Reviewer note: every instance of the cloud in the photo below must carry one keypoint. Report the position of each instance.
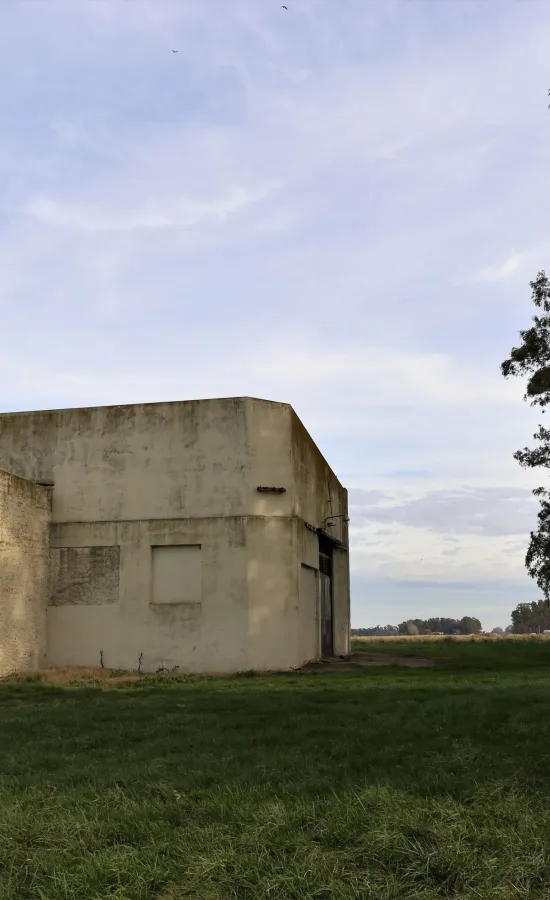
(290, 207)
(490, 601)
(486, 511)
(443, 547)
(508, 268)
(183, 212)
(413, 555)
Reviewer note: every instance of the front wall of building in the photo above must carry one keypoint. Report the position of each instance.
(148, 461)
(270, 459)
(24, 539)
(273, 625)
(182, 597)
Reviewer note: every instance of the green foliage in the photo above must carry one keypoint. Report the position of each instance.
(532, 359)
(531, 617)
(466, 625)
(470, 625)
(376, 631)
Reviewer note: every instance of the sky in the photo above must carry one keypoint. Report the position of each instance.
(339, 206)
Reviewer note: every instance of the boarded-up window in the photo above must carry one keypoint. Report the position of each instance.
(177, 574)
(84, 575)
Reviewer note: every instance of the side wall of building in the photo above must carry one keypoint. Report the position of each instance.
(283, 547)
(24, 541)
(319, 498)
(341, 601)
(309, 647)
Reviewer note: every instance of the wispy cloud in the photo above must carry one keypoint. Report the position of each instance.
(509, 267)
(487, 512)
(319, 207)
(180, 213)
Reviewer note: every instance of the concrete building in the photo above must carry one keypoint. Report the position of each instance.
(209, 535)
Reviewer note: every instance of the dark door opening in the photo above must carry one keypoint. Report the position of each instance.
(325, 576)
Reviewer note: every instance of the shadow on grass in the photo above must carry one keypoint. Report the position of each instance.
(384, 785)
(421, 731)
(479, 654)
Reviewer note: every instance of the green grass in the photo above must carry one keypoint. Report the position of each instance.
(472, 653)
(382, 783)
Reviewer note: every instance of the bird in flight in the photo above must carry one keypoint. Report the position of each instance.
(174, 51)
(284, 7)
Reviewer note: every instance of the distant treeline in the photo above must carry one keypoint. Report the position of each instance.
(531, 617)
(466, 625)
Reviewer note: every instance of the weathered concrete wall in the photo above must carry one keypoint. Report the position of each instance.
(269, 454)
(173, 460)
(146, 461)
(228, 593)
(341, 601)
(306, 555)
(24, 541)
(273, 593)
(198, 619)
(84, 575)
(310, 622)
(283, 454)
(319, 496)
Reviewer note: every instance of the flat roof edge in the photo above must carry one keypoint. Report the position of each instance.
(66, 409)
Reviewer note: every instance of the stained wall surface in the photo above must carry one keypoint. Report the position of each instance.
(24, 542)
(196, 620)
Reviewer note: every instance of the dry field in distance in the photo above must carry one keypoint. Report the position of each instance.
(461, 638)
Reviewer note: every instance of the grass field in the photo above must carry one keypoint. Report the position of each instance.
(379, 783)
(455, 638)
(483, 651)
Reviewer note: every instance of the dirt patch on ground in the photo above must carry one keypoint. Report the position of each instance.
(362, 660)
(114, 677)
(71, 674)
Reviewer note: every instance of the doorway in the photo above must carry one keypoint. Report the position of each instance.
(325, 578)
